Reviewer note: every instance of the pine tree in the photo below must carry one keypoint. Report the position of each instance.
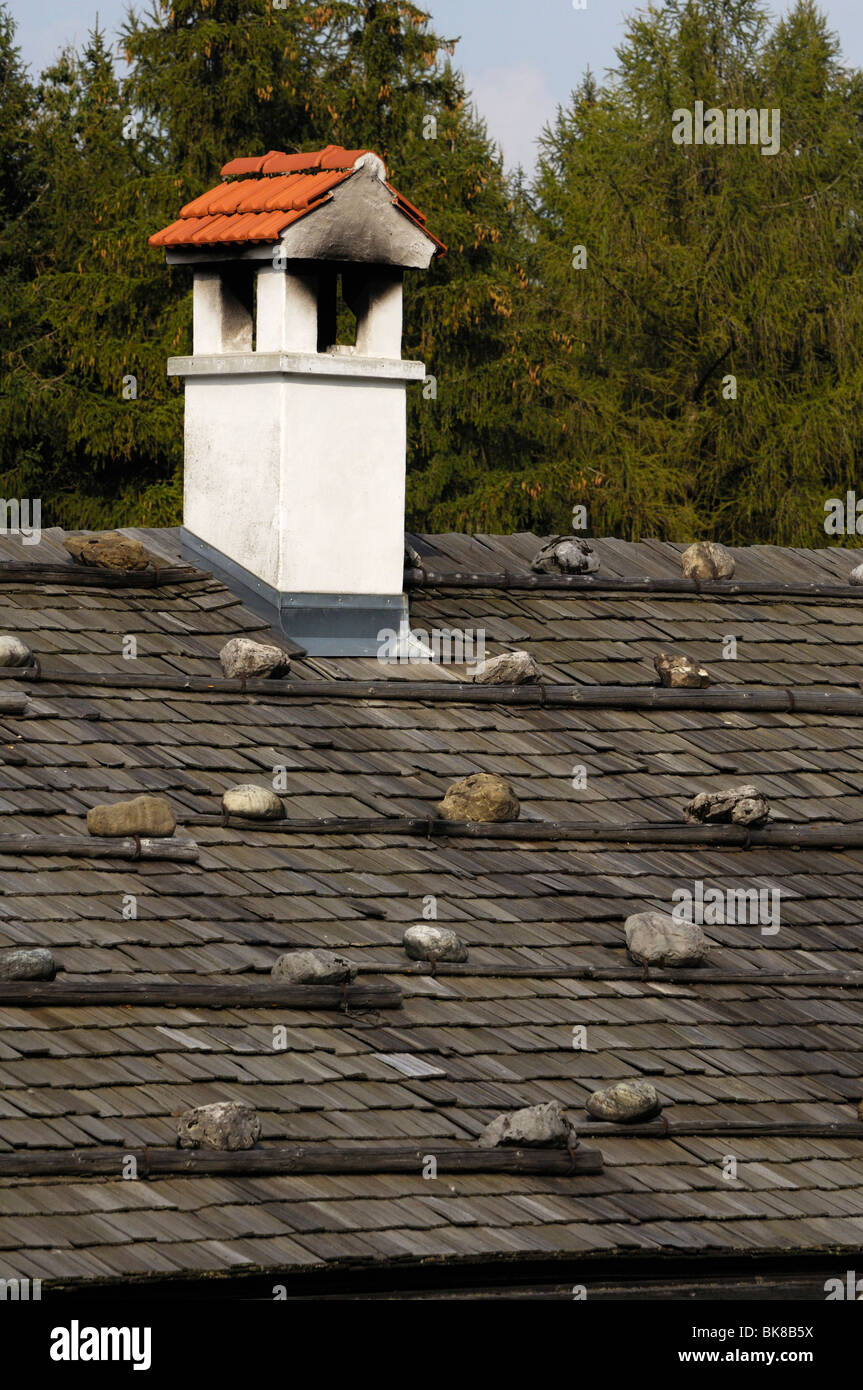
(212, 79)
(708, 265)
(16, 109)
(17, 188)
(88, 420)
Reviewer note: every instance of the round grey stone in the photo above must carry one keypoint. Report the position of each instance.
(481, 797)
(141, 815)
(427, 942)
(654, 938)
(536, 1126)
(707, 560)
(243, 657)
(313, 967)
(14, 652)
(27, 963)
(566, 555)
(681, 672)
(744, 805)
(225, 1125)
(512, 668)
(253, 803)
(624, 1103)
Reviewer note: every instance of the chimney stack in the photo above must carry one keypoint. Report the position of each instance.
(295, 442)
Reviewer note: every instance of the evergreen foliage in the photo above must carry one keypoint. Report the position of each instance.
(704, 262)
(606, 385)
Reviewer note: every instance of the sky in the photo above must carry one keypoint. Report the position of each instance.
(521, 58)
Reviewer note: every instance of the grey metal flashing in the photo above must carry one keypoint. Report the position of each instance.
(341, 624)
(255, 593)
(313, 624)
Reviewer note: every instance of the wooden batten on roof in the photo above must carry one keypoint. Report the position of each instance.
(257, 994)
(281, 1161)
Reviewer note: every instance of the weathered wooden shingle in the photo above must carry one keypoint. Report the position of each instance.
(746, 1049)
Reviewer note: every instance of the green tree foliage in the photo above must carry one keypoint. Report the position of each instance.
(17, 187)
(93, 317)
(16, 103)
(213, 79)
(704, 262)
(555, 385)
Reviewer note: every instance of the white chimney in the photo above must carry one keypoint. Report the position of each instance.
(295, 444)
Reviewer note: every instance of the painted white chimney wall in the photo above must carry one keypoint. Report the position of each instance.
(297, 476)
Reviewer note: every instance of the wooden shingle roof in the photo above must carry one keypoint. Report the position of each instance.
(758, 1055)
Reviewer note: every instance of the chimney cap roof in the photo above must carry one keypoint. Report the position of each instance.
(262, 195)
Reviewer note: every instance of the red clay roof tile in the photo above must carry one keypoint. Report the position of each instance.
(277, 162)
(223, 199)
(243, 166)
(264, 194)
(335, 157)
(182, 231)
(272, 194)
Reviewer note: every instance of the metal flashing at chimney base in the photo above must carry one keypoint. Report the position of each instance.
(322, 624)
